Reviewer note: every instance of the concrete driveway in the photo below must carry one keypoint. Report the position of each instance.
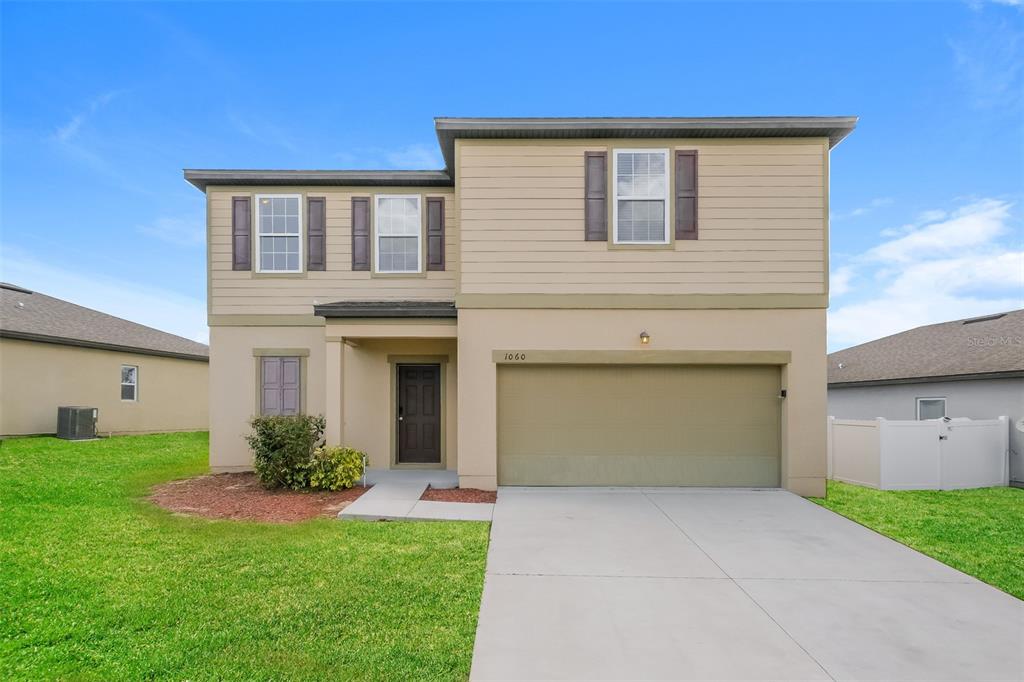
(626, 584)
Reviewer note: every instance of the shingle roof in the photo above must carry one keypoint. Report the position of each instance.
(359, 309)
(979, 346)
(33, 316)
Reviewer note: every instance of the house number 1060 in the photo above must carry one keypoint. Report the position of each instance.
(515, 356)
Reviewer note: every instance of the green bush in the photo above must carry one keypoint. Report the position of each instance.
(335, 468)
(283, 447)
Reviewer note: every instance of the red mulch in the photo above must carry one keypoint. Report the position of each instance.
(459, 495)
(241, 497)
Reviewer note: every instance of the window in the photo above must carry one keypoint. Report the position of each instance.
(641, 196)
(931, 408)
(129, 383)
(398, 233)
(279, 243)
(279, 385)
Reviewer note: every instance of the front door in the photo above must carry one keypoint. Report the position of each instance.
(419, 414)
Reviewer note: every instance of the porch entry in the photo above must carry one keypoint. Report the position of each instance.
(418, 414)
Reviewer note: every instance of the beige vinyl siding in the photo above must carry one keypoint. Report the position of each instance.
(762, 221)
(250, 293)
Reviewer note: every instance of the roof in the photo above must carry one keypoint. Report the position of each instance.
(410, 309)
(835, 128)
(352, 178)
(977, 347)
(32, 316)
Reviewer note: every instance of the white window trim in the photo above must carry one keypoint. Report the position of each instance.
(376, 235)
(616, 197)
(918, 404)
(259, 241)
(135, 393)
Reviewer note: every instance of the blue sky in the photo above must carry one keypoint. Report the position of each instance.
(103, 105)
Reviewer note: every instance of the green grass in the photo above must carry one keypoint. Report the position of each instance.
(980, 532)
(96, 583)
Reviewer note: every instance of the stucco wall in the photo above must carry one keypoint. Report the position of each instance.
(982, 399)
(802, 332)
(37, 378)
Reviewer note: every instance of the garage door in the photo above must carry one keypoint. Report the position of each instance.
(654, 425)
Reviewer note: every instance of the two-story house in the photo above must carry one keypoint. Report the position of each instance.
(587, 301)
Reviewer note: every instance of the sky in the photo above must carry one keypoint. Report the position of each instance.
(103, 105)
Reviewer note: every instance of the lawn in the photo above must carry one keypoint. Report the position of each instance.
(980, 532)
(96, 583)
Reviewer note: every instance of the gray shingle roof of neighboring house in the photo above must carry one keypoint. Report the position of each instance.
(32, 316)
(977, 347)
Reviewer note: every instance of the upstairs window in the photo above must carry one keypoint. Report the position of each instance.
(129, 383)
(278, 221)
(641, 196)
(398, 234)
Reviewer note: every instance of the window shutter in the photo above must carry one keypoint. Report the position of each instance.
(596, 196)
(360, 233)
(316, 233)
(241, 229)
(435, 233)
(686, 194)
(280, 385)
(270, 403)
(289, 385)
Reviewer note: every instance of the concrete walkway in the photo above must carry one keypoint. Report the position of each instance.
(658, 584)
(395, 496)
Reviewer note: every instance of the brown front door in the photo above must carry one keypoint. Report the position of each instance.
(419, 414)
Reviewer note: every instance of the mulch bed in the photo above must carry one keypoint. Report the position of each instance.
(459, 495)
(240, 497)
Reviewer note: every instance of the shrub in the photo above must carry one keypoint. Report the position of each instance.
(335, 468)
(282, 448)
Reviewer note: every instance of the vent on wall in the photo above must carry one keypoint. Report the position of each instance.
(76, 423)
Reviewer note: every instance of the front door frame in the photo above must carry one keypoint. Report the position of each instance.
(393, 362)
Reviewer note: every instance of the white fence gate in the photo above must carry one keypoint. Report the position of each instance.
(937, 454)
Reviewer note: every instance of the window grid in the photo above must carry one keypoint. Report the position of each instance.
(398, 221)
(129, 383)
(279, 225)
(641, 196)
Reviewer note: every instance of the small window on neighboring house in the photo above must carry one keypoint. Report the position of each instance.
(399, 230)
(641, 196)
(129, 383)
(278, 224)
(279, 385)
(931, 408)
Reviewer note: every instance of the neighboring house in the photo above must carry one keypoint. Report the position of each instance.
(590, 301)
(964, 368)
(55, 353)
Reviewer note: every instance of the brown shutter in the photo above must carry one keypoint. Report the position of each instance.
(360, 233)
(316, 233)
(435, 233)
(686, 194)
(596, 196)
(241, 230)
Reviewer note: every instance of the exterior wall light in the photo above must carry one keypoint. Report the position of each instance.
(645, 338)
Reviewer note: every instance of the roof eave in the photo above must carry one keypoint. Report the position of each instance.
(977, 376)
(99, 345)
(203, 178)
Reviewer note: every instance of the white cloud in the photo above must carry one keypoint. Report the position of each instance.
(152, 306)
(70, 130)
(989, 62)
(415, 156)
(862, 210)
(177, 231)
(946, 265)
(263, 131)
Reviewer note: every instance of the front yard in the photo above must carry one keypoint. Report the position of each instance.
(96, 583)
(980, 532)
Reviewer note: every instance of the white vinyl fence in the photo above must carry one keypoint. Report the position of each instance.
(937, 454)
